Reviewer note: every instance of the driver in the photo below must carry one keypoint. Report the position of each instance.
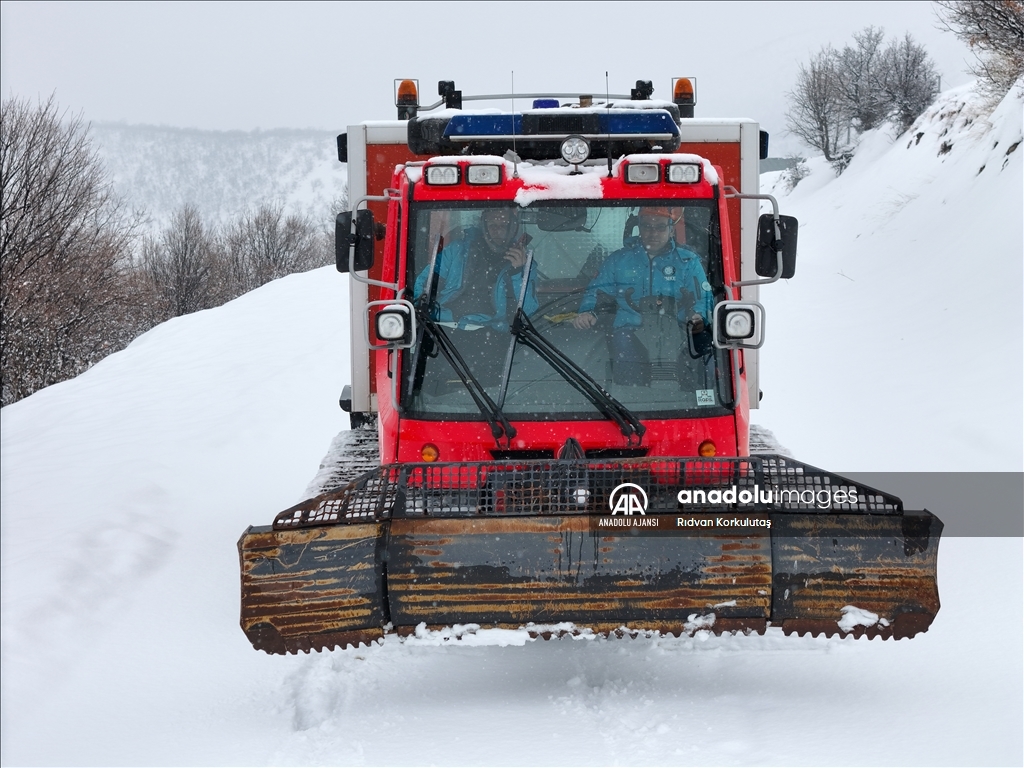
(658, 286)
(478, 280)
(480, 275)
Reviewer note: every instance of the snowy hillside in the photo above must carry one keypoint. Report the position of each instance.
(897, 345)
(123, 491)
(160, 169)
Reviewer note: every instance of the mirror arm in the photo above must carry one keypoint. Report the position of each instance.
(731, 192)
(389, 194)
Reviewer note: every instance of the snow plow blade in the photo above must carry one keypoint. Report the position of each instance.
(536, 545)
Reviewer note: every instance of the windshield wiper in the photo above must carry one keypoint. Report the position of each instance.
(630, 426)
(500, 426)
(430, 333)
(523, 330)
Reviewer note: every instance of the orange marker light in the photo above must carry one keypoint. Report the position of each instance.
(429, 452)
(682, 90)
(407, 95)
(707, 449)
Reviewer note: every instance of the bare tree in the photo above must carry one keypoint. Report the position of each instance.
(183, 267)
(908, 80)
(860, 69)
(65, 242)
(841, 94)
(994, 29)
(265, 244)
(818, 110)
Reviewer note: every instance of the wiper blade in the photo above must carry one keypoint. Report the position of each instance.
(630, 426)
(500, 426)
(428, 327)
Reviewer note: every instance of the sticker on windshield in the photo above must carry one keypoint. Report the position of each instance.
(705, 397)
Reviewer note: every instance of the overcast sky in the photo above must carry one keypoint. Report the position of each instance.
(327, 65)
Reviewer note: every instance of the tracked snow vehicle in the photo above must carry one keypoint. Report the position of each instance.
(565, 442)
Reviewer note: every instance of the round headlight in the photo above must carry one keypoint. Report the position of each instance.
(575, 150)
(739, 324)
(390, 326)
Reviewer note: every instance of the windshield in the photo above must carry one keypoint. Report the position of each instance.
(624, 292)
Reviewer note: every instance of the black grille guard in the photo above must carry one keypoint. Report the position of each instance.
(756, 484)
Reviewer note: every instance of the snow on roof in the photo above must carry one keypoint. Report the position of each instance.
(554, 182)
(469, 160)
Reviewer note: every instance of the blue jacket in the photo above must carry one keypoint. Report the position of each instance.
(451, 265)
(629, 275)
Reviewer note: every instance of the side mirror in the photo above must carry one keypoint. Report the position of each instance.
(362, 240)
(766, 254)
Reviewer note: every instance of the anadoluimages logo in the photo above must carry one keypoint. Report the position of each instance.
(628, 498)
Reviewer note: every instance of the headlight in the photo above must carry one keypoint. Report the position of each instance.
(483, 174)
(443, 175)
(739, 324)
(575, 150)
(391, 324)
(642, 173)
(684, 173)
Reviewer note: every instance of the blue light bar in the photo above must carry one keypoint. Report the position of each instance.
(616, 124)
(537, 134)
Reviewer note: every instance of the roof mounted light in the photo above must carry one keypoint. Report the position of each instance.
(452, 98)
(442, 175)
(683, 173)
(575, 150)
(407, 98)
(643, 90)
(483, 174)
(642, 173)
(683, 95)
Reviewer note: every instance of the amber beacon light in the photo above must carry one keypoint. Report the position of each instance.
(407, 98)
(683, 95)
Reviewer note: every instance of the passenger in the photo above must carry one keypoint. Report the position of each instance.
(659, 289)
(480, 275)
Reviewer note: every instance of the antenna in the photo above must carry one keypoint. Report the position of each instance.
(608, 121)
(515, 157)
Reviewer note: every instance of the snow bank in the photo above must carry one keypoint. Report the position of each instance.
(903, 322)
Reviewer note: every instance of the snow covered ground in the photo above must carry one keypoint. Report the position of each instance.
(124, 491)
